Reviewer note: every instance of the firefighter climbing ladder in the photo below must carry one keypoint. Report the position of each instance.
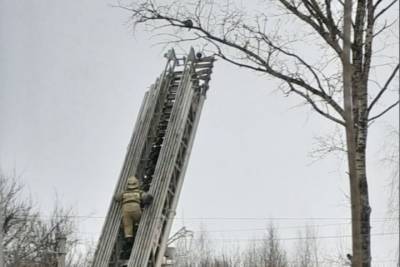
(158, 155)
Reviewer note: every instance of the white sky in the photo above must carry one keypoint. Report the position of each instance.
(72, 77)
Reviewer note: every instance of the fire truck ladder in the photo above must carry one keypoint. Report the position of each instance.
(158, 155)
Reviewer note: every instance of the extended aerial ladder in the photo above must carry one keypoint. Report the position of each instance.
(158, 155)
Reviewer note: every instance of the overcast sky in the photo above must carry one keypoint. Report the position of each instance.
(72, 77)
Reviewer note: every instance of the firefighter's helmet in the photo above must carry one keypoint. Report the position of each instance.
(133, 183)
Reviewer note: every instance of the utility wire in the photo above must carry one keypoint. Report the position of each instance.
(286, 238)
(250, 229)
(295, 238)
(233, 218)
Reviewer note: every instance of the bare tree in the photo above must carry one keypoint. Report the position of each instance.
(266, 252)
(1, 232)
(79, 256)
(307, 249)
(29, 239)
(250, 256)
(202, 248)
(196, 251)
(262, 252)
(390, 161)
(338, 87)
(272, 254)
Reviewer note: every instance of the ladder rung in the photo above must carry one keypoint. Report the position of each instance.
(205, 78)
(183, 143)
(170, 192)
(206, 59)
(204, 65)
(178, 167)
(204, 71)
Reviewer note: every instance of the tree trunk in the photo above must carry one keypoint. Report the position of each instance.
(356, 136)
(364, 208)
(361, 172)
(360, 209)
(355, 201)
(1, 232)
(350, 132)
(355, 111)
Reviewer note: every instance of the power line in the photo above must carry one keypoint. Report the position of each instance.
(280, 218)
(278, 228)
(250, 229)
(285, 238)
(295, 238)
(234, 218)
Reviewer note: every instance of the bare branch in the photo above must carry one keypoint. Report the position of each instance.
(314, 105)
(261, 63)
(327, 144)
(384, 27)
(329, 37)
(269, 42)
(377, 4)
(384, 111)
(384, 88)
(381, 12)
(28, 238)
(257, 48)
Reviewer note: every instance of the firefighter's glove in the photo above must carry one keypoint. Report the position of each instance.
(118, 197)
(147, 199)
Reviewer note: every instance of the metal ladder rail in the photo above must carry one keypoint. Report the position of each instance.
(148, 236)
(174, 191)
(107, 237)
(116, 260)
(111, 225)
(159, 142)
(142, 142)
(150, 156)
(159, 134)
(182, 159)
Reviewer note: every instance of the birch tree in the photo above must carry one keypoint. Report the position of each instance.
(335, 80)
(1, 232)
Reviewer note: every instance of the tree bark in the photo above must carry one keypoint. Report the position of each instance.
(360, 209)
(364, 208)
(355, 154)
(356, 132)
(1, 232)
